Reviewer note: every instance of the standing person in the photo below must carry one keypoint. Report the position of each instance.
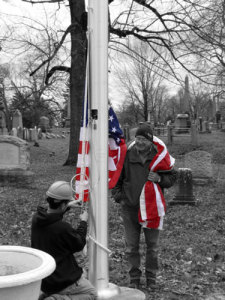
(50, 233)
(147, 170)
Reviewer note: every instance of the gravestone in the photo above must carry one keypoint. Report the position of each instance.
(3, 129)
(222, 109)
(126, 131)
(39, 133)
(20, 132)
(184, 188)
(200, 123)
(32, 135)
(200, 162)
(210, 126)
(194, 134)
(204, 126)
(44, 124)
(182, 123)
(25, 134)
(17, 120)
(14, 161)
(222, 126)
(14, 132)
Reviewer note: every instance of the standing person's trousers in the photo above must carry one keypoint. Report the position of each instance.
(132, 238)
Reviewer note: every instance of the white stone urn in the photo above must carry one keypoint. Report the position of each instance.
(21, 272)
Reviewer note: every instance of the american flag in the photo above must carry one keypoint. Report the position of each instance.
(117, 152)
(82, 169)
(152, 202)
(117, 149)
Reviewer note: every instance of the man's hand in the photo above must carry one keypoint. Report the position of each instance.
(73, 203)
(84, 216)
(154, 177)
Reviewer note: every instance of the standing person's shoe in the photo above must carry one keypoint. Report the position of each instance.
(134, 284)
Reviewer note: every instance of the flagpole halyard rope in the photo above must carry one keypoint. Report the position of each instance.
(100, 245)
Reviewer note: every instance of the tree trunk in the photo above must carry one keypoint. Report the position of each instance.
(77, 76)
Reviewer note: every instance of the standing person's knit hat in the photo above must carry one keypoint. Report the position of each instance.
(145, 130)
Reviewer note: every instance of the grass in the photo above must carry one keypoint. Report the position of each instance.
(192, 248)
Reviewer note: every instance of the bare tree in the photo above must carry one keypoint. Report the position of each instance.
(190, 32)
(141, 77)
(76, 70)
(31, 45)
(35, 92)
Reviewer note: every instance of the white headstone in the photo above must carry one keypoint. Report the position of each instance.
(20, 132)
(14, 153)
(14, 162)
(14, 132)
(39, 133)
(25, 134)
(17, 120)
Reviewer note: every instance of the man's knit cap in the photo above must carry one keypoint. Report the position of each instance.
(145, 130)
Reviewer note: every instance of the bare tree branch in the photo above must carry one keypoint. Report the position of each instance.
(54, 69)
(42, 1)
(68, 30)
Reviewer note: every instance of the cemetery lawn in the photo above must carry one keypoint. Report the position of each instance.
(192, 244)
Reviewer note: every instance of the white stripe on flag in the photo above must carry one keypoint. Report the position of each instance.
(143, 205)
(160, 206)
(84, 134)
(83, 160)
(161, 155)
(81, 186)
(111, 164)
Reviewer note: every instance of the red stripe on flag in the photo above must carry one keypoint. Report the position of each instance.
(86, 196)
(118, 156)
(155, 205)
(86, 147)
(78, 174)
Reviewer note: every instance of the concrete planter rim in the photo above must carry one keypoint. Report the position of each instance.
(46, 267)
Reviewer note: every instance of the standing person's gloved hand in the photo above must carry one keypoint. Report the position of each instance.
(84, 216)
(154, 177)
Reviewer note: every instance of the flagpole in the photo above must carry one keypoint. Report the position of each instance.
(98, 205)
(98, 82)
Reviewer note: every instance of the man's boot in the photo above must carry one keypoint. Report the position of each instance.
(134, 283)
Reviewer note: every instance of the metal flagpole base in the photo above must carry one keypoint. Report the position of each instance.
(114, 292)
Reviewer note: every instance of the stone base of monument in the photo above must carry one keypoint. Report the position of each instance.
(16, 177)
(184, 188)
(114, 292)
(183, 201)
(202, 181)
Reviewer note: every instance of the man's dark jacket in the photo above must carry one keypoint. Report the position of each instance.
(51, 234)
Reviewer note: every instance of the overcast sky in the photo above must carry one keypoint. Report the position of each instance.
(18, 7)
(39, 12)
